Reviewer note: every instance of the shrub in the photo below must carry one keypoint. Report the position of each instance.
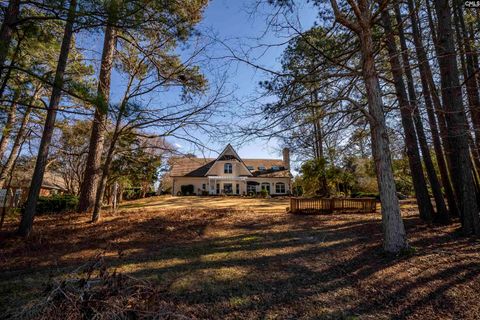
(298, 191)
(57, 204)
(365, 195)
(132, 193)
(264, 193)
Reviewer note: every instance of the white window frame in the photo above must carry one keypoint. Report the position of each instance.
(229, 166)
(280, 184)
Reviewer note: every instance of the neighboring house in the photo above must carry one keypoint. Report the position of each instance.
(230, 174)
(16, 190)
(52, 183)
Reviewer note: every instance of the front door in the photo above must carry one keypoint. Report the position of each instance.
(227, 188)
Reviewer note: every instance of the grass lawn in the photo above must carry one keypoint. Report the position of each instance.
(228, 258)
(206, 203)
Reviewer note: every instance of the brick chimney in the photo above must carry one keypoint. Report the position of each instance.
(286, 157)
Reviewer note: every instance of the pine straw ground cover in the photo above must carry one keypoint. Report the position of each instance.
(235, 264)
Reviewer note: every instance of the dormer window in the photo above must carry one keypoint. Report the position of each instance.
(227, 168)
(261, 168)
(251, 168)
(275, 168)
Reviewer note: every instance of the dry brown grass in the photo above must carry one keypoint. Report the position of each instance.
(238, 262)
(207, 203)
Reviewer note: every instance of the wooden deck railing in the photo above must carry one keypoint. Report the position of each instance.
(330, 205)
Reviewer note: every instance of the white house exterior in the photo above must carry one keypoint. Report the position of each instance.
(231, 175)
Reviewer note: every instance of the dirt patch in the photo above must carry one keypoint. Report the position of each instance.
(227, 263)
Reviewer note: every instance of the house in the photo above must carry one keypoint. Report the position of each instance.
(16, 189)
(229, 174)
(52, 182)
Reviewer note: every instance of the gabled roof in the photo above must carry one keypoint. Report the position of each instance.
(51, 180)
(230, 154)
(199, 167)
(189, 166)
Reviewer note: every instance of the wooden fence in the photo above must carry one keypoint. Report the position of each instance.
(330, 205)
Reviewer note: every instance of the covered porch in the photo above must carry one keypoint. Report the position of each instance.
(228, 185)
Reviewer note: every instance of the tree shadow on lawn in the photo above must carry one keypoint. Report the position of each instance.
(284, 266)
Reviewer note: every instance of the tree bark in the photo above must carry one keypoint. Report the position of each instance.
(455, 117)
(7, 168)
(110, 153)
(406, 112)
(469, 79)
(394, 234)
(394, 230)
(97, 139)
(425, 75)
(442, 212)
(6, 31)
(7, 129)
(103, 181)
(468, 69)
(10, 67)
(318, 145)
(28, 216)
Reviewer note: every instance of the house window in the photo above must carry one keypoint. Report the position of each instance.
(280, 187)
(237, 188)
(251, 168)
(218, 188)
(204, 186)
(261, 168)
(251, 188)
(266, 186)
(227, 168)
(275, 168)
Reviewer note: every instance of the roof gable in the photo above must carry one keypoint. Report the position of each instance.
(230, 154)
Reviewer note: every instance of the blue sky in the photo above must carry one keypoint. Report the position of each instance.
(233, 22)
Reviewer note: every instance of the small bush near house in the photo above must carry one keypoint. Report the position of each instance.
(57, 204)
(132, 194)
(150, 194)
(264, 193)
(365, 195)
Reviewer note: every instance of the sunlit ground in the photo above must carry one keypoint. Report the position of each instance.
(196, 202)
(233, 258)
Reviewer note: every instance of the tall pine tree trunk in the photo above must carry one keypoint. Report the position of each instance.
(7, 129)
(7, 168)
(425, 75)
(6, 30)
(318, 145)
(110, 153)
(93, 167)
(103, 180)
(28, 216)
(394, 235)
(457, 126)
(470, 81)
(469, 73)
(442, 212)
(406, 112)
(394, 231)
(8, 73)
